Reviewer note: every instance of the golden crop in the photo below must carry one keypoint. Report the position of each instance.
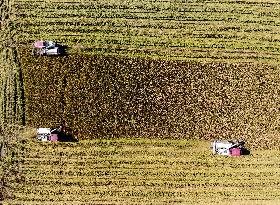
(100, 96)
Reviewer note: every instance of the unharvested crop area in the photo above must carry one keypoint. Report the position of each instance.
(99, 96)
(142, 171)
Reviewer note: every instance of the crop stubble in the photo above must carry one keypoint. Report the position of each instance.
(143, 171)
(220, 30)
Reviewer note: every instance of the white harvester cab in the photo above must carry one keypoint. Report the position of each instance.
(43, 134)
(227, 148)
(46, 48)
(47, 134)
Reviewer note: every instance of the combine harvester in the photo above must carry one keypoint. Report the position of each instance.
(229, 148)
(55, 135)
(48, 48)
(47, 134)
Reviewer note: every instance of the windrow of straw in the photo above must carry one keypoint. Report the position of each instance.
(97, 96)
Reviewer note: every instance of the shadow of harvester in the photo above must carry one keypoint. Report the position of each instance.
(64, 136)
(62, 49)
(245, 151)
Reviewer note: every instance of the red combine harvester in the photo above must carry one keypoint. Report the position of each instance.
(47, 134)
(46, 48)
(229, 148)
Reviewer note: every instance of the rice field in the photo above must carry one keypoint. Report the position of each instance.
(143, 171)
(114, 96)
(11, 85)
(222, 30)
(140, 170)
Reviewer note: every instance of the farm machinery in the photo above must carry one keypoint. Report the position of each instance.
(47, 134)
(55, 134)
(229, 148)
(46, 48)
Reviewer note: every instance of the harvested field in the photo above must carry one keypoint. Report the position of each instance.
(222, 30)
(143, 171)
(115, 92)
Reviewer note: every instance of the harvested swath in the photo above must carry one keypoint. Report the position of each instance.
(143, 171)
(11, 104)
(220, 30)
